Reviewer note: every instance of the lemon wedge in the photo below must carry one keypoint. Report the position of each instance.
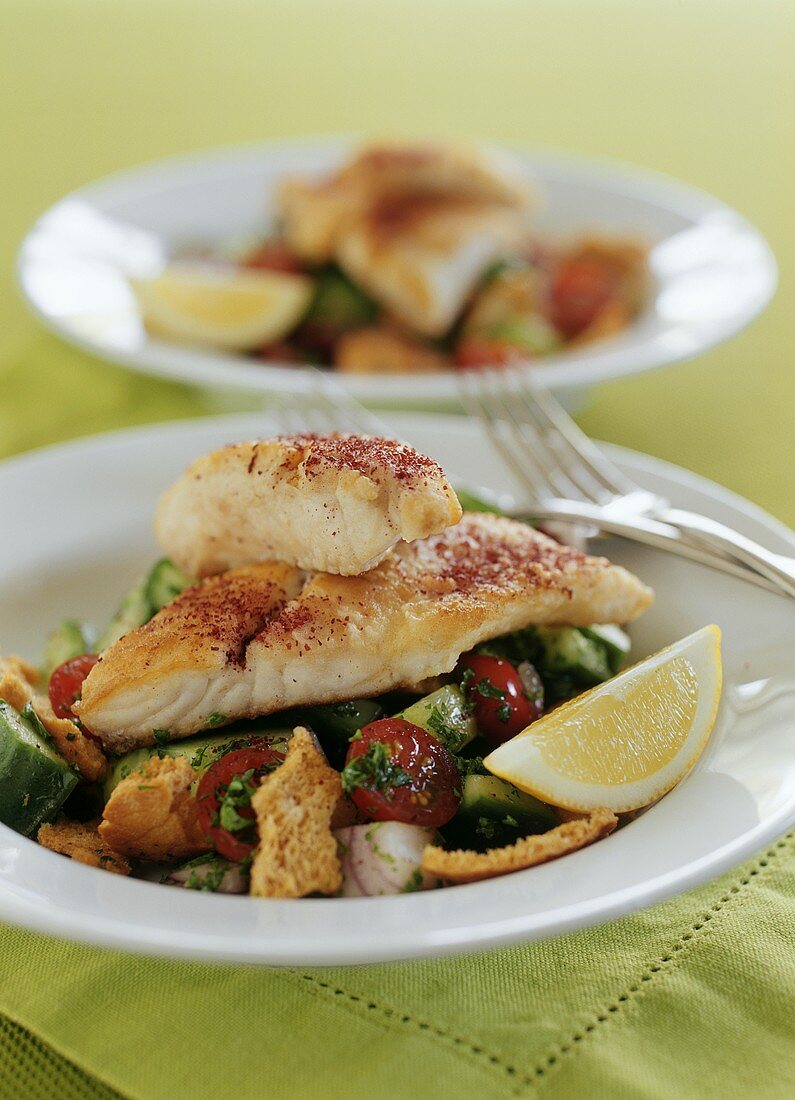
(222, 307)
(622, 744)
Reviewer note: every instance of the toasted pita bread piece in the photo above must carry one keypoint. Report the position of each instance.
(335, 503)
(153, 815)
(18, 682)
(82, 843)
(379, 350)
(465, 866)
(297, 852)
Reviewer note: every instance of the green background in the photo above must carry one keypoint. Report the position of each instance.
(692, 998)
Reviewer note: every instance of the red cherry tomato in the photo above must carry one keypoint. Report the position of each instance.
(274, 256)
(482, 351)
(213, 794)
(495, 690)
(395, 771)
(580, 290)
(66, 683)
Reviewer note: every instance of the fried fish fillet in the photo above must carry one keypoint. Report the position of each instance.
(423, 257)
(229, 647)
(315, 214)
(334, 503)
(415, 226)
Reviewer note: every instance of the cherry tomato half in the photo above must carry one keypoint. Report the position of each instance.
(216, 802)
(495, 690)
(274, 256)
(66, 683)
(395, 771)
(580, 290)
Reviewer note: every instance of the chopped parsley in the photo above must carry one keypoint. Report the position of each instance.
(486, 690)
(452, 736)
(487, 827)
(206, 873)
(470, 765)
(414, 882)
(162, 737)
(237, 797)
(215, 719)
(374, 770)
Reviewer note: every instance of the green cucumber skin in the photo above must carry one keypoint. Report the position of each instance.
(164, 583)
(443, 714)
(201, 751)
(616, 641)
(134, 610)
(339, 302)
(486, 794)
(71, 639)
(494, 813)
(336, 723)
(34, 780)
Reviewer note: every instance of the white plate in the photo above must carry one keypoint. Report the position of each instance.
(80, 530)
(712, 271)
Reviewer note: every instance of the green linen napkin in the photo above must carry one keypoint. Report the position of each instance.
(693, 998)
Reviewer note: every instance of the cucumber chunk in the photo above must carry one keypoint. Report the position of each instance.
(70, 640)
(444, 713)
(134, 610)
(201, 751)
(569, 650)
(34, 780)
(471, 503)
(336, 723)
(494, 813)
(339, 303)
(164, 583)
(616, 641)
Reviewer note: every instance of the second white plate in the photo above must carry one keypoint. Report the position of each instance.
(712, 271)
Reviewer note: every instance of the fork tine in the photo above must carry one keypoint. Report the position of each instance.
(561, 455)
(561, 426)
(536, 446)
(486, 403)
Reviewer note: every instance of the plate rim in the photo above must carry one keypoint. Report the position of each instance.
(110, 932)
(611, 358)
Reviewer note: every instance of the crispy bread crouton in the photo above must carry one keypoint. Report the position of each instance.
(297, 852)
(80, 751)
(83, 844)
(464, 866)
(379, 350)
(153, 815)
(17, 686)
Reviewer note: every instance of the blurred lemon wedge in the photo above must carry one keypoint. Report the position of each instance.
(622, 744)
(222, 307)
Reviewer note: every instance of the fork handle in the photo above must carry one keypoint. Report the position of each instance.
(778, 568)
(649, 532)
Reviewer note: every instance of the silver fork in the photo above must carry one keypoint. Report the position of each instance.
(569, 479)
(327, 406)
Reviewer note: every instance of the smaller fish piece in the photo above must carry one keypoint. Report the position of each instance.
(334, 503)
